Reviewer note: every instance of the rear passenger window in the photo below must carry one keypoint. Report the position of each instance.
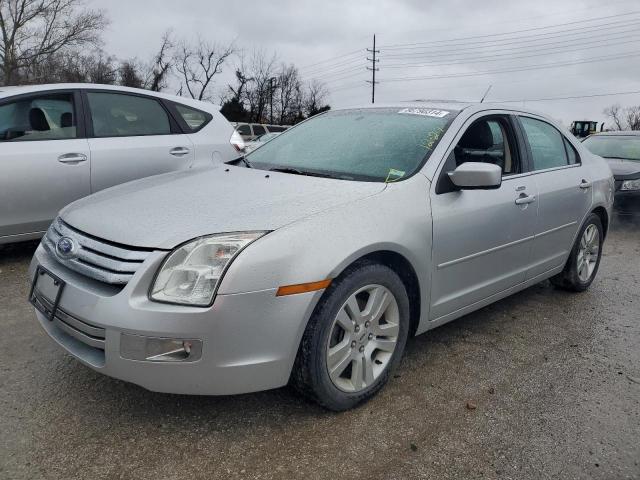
(195, 119)
(572, 154)
(546, 142)
(275, 128)
(258, 130)
(118, 115)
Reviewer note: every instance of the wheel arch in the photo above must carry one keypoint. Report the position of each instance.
(404, 269)
(602, 213)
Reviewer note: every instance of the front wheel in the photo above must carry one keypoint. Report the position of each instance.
(584, 259)
(354, 338)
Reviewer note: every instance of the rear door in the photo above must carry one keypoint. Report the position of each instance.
(132, 136)
(564, 193)
(44, 159)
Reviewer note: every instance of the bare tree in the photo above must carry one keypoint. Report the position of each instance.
(261, 69)
(160, 68)
(288, 93)
(198, 64)
(129, 74)
(315, 98)
(614, 112)
(632, 117)
(33, 30)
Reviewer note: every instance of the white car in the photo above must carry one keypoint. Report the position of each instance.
(258, 142)
(61, 142)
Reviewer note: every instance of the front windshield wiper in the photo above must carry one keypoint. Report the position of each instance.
(245, 161)
(297, 171)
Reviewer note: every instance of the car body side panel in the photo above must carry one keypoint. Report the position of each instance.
(397, 220)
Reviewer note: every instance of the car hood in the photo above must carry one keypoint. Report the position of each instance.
(166, 210)
(624, 169)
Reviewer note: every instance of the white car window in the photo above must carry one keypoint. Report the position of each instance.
(121, 115)
(39, 117)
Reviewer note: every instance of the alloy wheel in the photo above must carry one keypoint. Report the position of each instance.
(362, 338)
(588, 252)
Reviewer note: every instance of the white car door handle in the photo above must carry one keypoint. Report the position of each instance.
(525, 199)
(584, 184)
(179, 151)
(72, 158)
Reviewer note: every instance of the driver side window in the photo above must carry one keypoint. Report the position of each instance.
(487, 140)
(38, 117)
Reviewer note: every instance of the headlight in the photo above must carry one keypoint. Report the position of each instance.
(631, 185)
(191, 273)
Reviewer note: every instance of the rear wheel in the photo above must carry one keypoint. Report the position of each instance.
(584, 260)
(354, 339)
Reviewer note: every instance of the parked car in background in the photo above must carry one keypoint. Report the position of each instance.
(311, 260)
(261, 140)
(62, 142)
(250, 131)
(622, 152)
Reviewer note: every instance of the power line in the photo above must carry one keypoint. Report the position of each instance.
(511, 56)
(332, 58)
(341, 64)
(571, 34)
(510, 70)
(571, 97)
(525, 48)
(433, 42)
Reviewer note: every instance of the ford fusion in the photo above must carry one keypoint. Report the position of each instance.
(311, 260)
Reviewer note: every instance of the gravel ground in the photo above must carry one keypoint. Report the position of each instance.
(544, 384)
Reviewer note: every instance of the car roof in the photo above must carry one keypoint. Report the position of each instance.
(448, 105)
(22, 89)
(618, 133)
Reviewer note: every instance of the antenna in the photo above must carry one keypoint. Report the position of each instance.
(485, 94)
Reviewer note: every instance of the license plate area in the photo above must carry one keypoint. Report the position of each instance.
(46, 291)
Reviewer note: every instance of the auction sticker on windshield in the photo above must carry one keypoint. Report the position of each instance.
(427, 112)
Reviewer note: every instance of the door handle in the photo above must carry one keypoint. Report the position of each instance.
(525, 199)
(179, 151)
(584, 184)
(72, 158)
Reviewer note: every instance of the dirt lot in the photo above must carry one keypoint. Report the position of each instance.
(552, 379)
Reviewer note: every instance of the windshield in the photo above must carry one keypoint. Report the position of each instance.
(615, 146)
(377, 144)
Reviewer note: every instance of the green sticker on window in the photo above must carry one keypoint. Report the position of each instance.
(394, 175)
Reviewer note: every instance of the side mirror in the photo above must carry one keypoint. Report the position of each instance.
(476, 175)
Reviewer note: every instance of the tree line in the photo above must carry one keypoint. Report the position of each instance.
(53, 41)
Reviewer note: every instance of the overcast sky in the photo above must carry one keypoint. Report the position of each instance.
(337, 32)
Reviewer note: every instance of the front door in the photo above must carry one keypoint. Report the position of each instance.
(481, 238)
(44, 161)
(131, 137)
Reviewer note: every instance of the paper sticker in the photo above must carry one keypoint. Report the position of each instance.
(394, 175)
(426, 112)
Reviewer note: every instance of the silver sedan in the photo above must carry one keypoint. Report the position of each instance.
(313, 259)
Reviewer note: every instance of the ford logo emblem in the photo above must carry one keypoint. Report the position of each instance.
(66, 247)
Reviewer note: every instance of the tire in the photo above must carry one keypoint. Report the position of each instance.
(353, 381)
(573, 276)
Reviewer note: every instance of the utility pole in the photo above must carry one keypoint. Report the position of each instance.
(271, 87)
(373, 69)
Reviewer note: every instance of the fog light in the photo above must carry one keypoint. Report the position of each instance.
(151, 349)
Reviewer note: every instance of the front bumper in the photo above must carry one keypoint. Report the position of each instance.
(249, 340)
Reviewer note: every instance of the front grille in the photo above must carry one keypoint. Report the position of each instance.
(97, 259)
(78, 329)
